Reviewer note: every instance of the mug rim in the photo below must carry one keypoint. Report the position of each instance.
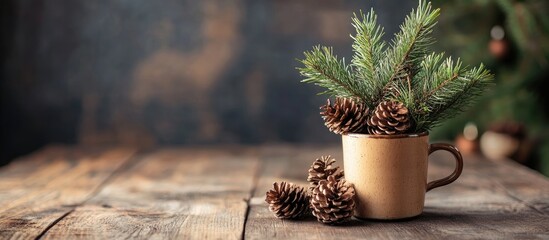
(406, 135)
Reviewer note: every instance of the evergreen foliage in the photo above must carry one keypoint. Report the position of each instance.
(432, 89)
(520, 92)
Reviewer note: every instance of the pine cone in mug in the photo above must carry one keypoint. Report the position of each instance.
(321, 169)
(389, 117)
(332, 201)
(287, 200)
(345, 116)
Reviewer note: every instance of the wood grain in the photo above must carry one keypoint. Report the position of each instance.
(38, 190)
(218, 193)
(169, 194)
(490, 200)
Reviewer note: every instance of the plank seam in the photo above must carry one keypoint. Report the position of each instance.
(511, 195)
(257, 173)
(128, 162)
(54, 223)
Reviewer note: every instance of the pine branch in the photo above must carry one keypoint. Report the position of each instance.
(431, 89)
(448, 72)
(453, 94)
(410, 45)
(427, 72)
(324, 69)
(367, 49)
(367, 46)
(443, 84)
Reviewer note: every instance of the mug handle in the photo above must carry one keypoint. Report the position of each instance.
(457, 171)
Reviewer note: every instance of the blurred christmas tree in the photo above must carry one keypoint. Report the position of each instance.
(512, 38)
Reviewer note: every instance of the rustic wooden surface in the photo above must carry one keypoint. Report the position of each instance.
(218, 193)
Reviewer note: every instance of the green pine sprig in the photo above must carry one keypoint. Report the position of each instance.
(324, 69)
(410, 45)
(368, 54)
(431, 88)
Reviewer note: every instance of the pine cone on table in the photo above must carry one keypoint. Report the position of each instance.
(332, 201)
(321, 169)
(287, 200)
(345, 116)
(389, 117)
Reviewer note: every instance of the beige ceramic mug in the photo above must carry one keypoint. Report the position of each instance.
(389, 173)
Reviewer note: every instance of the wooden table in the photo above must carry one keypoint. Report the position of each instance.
(218, 193)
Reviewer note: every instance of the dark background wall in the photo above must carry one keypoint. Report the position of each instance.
(147, 73)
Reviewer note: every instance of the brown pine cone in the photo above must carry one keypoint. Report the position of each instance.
(287, 200)
(345, 116)
(332, 201)
(389, 117)
(321, 169)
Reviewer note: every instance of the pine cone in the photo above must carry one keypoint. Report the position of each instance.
(332, 201)
(389, 117)
(346, 115)
(321, 169)
(287, 200)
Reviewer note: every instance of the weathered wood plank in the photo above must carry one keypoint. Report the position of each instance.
(169, 194)
(202, 193)
(38, 190)
(490, 200)
(521, 183)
